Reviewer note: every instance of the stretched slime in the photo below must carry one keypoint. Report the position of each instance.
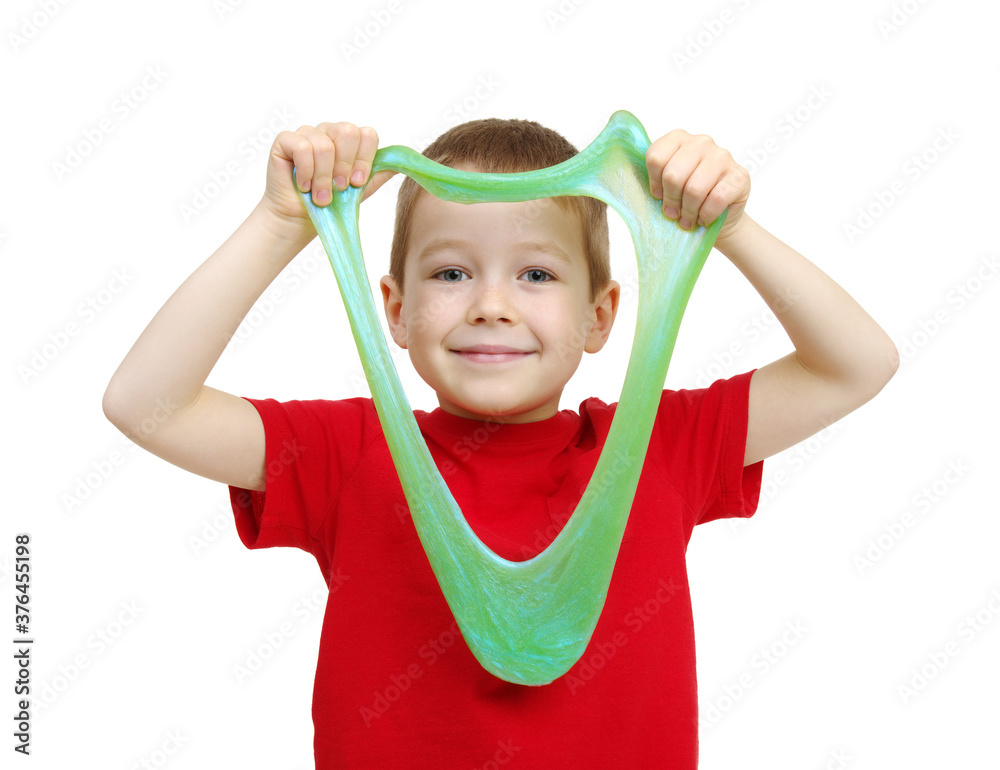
(528, 622)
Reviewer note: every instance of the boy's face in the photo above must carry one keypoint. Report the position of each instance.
(497, 313)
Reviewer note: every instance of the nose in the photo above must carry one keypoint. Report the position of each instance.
(492, 305)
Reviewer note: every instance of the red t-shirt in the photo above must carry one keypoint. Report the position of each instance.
(396, 686)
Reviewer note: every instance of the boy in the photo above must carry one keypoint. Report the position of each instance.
(496, 304)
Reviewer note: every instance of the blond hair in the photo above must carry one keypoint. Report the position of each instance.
(499, 146)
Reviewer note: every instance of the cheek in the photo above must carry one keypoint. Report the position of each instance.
(416, 325)
(429, 314)
(563, 318)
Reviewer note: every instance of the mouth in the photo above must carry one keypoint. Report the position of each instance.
(490, 354)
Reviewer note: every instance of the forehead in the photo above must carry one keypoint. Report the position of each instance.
(546, 221)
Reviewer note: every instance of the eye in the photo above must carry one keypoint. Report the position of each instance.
(450, 275)
(537, 275)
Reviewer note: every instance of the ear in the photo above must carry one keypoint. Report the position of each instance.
(605, 310)
(392, 297)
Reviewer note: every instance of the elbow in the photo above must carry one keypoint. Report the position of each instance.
(882, 366)
(888, 363)
(891, 360)
(122, 405)
(113, 405)
(139, 414)
(867, 373)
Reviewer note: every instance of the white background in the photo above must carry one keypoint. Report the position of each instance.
(144, 601)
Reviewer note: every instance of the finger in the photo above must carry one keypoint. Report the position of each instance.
(367, 146)
(347, 138)
(732, 192)
(700, 183)
(292, 150)
(658, 154)
(675, 177)
(320, 153)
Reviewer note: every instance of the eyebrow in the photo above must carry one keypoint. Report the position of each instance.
(443, 244)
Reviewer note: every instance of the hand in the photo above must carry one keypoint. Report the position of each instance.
(325, 156)
(696, 180)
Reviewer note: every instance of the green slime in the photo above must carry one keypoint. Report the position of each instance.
(528, 622)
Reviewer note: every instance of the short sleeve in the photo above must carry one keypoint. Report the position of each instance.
(310, 447)
(703, 434)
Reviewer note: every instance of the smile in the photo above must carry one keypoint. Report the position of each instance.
(491, 354)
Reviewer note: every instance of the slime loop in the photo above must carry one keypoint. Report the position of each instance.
(528, 622)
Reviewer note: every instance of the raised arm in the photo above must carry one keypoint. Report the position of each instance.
(842, 358)
(158, 396)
